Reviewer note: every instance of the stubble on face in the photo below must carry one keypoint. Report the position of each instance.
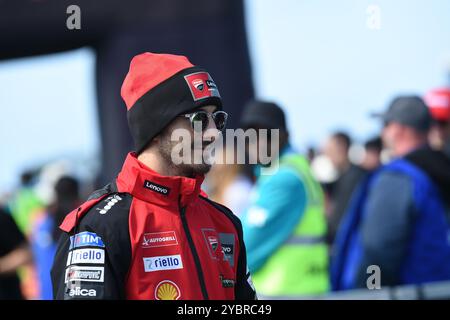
(191, 169)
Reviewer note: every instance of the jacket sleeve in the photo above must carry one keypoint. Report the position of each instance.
(387, 227)
(277, 206)
(244, 289)
(92, 261)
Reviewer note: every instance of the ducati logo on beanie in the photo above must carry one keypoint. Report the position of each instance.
(198, 81)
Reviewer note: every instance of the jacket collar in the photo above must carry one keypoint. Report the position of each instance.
(144, 183)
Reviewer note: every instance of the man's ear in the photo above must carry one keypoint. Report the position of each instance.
(154, 142)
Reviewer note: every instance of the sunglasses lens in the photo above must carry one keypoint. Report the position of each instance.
(220, 119)
(201, 117)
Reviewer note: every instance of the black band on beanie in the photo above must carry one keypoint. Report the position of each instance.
(159, 106)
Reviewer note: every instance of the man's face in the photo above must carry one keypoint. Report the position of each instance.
(372, 159)
(439, 134)
(390, 135)
(197, 143)
(336, 152)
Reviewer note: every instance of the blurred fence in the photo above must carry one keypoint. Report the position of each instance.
(429, 291)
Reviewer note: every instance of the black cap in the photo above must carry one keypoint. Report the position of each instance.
(410, 111)
(267, 115)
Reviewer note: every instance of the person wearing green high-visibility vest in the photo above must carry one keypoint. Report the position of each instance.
(284, 225)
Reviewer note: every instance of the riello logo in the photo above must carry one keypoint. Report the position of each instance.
(172, 262)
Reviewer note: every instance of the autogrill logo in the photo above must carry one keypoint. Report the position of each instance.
(159, 239)
(156, 187)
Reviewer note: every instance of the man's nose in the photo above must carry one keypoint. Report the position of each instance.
(211, 133)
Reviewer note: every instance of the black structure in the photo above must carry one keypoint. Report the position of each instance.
(210, 32)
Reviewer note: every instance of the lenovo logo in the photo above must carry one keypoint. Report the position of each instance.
(156, 187)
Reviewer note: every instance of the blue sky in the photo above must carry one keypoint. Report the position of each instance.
(318, 59)
(329, 70)
(48, 112)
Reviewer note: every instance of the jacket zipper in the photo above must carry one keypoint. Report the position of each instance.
(194, 253)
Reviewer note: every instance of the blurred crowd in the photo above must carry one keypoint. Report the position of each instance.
(312, 227)
(325, 219)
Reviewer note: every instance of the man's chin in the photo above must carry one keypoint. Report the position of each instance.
(201, 169)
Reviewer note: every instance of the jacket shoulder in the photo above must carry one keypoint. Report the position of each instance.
(225, 211)
(104, 229)
(73, 218)
(110, 212)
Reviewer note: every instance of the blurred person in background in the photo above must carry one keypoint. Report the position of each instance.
(399, 219)
(152, 234)
(46, 233)
(229, 183)
(311, 154)
(24, 205)
(372, 154)
(350, 175)
(25, 202)
(285, 225)
(14, 254)
(438, 101)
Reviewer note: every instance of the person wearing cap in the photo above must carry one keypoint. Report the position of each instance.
(152, 233)
(285, 225)
(438, 102)
(398, 219)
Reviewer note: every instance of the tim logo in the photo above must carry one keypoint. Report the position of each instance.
(156, 187)
(86, 239)
(197, 82)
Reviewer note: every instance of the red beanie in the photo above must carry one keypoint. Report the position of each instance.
(159, 87)
(438, 101)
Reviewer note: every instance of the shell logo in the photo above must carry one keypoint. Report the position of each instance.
(167, 290)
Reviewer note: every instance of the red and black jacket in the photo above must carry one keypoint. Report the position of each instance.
(148, 236)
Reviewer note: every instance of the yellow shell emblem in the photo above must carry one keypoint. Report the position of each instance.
(167, 290)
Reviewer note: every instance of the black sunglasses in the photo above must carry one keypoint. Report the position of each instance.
(219, 117)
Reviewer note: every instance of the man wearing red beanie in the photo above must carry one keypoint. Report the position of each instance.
(151, 233)
(438, 102)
